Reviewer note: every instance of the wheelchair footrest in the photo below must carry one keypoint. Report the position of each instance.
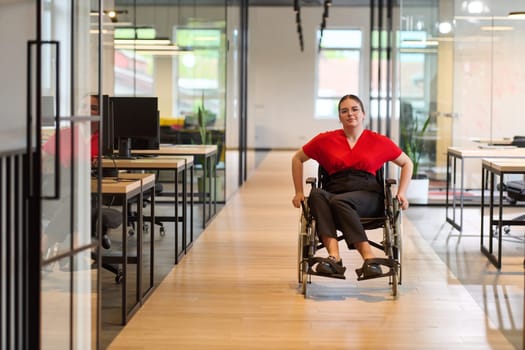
(339, 270)
(390, 263)
(333, 275)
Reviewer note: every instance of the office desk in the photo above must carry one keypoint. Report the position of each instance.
(492, 167)
(208, 153)
(461, 153)
(126, 187)
(179, 166)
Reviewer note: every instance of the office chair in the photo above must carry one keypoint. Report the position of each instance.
(516, 189)
(132, 215)
(111, 219)
(518, 141)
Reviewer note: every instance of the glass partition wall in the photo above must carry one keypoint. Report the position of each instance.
(176, 52)
(459, 69)
(67, 74)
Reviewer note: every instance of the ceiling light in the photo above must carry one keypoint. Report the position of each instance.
(419, 43)
(445, 27)
(146, 33)
(112, 14)
(496, 28)
(517, 14)
(146, 47)
(142, 42)
(145, 41)
(475, 7)
(163, 52)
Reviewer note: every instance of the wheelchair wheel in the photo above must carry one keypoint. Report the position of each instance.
(304, 278)
(397, 244)
(309, 245)
(303, 227)
(389, 249)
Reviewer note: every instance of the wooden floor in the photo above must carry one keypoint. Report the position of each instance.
(237, 289)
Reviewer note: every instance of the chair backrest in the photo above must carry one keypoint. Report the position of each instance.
(518, 141)
(516, 190)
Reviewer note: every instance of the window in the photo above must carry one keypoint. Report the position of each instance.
(199, 73)
(338, 70)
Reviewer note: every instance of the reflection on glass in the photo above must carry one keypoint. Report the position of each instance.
(340, 51)
(84, 297)
(55, 301)
(131, 281)
(56, 212)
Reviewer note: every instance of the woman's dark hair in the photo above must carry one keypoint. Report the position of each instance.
(351, 97)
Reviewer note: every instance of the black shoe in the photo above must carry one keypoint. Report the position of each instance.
(372, 270)
(325, 268)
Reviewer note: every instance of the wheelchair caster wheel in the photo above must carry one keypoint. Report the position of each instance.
(119, 277)
(162, 231)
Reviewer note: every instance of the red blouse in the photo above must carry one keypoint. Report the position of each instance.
(332, 151)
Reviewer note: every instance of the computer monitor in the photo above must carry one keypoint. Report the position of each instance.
(106, 134)
(135, 123)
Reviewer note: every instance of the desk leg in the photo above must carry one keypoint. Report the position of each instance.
(124, 260)
(205, 176)
(489, 252)
(491, 212)
(176, 221)
(214, 170)
(140, 225)
(447, 192)
(192, 201)
(210, 197)
(184, 210)
(500, 220)
(152, 243)
(188, 195)
(483, 184)
(451, 191)
(461, 196)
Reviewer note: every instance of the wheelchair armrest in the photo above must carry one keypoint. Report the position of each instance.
(311, 180)
(390, 182)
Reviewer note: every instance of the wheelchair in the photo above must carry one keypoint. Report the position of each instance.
(391, 244)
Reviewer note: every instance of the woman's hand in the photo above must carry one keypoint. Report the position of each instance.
(297, 199)
(403, 202)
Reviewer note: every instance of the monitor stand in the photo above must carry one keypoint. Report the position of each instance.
(124, 148)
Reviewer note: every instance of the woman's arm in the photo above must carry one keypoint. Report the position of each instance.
(406, 165)
(297, 174)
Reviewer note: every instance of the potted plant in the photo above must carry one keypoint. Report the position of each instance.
(414, 145)
(200, 120)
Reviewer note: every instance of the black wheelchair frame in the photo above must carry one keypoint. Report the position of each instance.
(391, 244)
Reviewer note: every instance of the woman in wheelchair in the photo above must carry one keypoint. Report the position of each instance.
(350, 156)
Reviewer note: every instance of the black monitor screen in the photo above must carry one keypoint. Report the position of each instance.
(135, 123)
(106, 135)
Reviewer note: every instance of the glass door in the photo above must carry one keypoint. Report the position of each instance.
(425, 95)
(64, 73)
